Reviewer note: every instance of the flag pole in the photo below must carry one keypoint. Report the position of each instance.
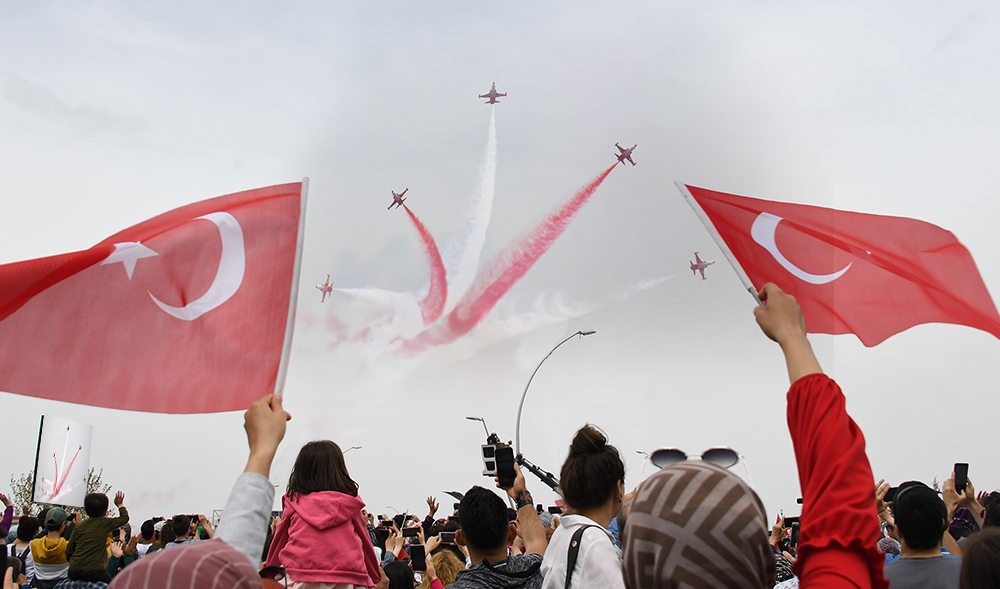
(279, 383)
(707, 222)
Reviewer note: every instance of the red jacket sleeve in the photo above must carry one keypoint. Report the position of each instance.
(839, 529)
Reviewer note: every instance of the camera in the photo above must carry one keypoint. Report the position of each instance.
(498, 460)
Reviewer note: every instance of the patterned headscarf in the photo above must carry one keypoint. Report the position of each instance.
(695, 524)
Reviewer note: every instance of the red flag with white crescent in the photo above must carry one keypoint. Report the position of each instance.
(870, 275)
(188, 312)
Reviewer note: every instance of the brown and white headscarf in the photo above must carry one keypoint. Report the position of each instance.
(695, 524)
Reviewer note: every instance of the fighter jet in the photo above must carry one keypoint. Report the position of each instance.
(699, 266)
(326, 288)
(397, 199)
(492, 94)
(626, 154)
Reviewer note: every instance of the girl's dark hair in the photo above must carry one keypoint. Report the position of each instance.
(981, 560)
(592, 470)
(400, 575)
(320, 467)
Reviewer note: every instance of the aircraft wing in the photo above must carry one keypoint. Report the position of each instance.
(702, 270)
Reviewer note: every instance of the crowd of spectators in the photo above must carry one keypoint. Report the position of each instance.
(691, 524)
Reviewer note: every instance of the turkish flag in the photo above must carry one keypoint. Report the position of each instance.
(188, 312)
(870, 275)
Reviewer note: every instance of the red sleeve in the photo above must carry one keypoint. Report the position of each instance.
(436, 584)
(839, 529)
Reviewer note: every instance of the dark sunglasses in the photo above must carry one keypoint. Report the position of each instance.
(725, 457)
(275, 573)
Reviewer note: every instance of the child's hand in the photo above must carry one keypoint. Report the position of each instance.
(119, 499)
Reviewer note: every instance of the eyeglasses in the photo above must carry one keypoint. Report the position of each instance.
(725, 457)
(275, 573)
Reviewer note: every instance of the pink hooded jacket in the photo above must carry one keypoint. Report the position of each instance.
(322, 538)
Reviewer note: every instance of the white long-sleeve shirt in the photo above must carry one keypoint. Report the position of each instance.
(598, 564)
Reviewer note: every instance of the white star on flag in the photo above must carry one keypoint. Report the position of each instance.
(128, 253)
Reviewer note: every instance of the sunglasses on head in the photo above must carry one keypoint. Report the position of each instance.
(725, 457)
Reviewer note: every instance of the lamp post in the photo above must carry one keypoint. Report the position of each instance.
(481, 420)
(747, 468)
(517, 427)
(645, 457)
(352, 448)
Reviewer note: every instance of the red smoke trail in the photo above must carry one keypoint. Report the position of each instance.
(433, 304)
(503, 272)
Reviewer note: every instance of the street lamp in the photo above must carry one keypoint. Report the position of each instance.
(483, 421)
(517, 427)
(747, 468)
(644, 459)
(352, 448)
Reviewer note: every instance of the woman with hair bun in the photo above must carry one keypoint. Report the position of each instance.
(593, 483)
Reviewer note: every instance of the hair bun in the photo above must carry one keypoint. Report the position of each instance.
(588, 440)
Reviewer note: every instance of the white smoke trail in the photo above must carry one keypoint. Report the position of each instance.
(462, 255)
(549, 308)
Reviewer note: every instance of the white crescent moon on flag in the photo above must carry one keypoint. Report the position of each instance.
(232, 264)
(762, 231)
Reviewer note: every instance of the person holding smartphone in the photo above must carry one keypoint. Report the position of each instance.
(485, 530)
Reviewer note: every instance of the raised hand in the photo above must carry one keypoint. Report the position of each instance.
(5, 500)
(130, 547)
(432, 506)
(119, 499)
(881, 488)
(116, 549)
(264, 423)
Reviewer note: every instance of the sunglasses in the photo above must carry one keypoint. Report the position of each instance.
(724, 457)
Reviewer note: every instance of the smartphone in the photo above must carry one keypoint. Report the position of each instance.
(505, 467)
(410, 532)
(453, 518)
(791, 521)
(555, 510)
(418, 560)
(447, 537)
(961, 476)
(794, 540)
(890, 495)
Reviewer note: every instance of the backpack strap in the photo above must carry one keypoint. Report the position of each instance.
(574, 551)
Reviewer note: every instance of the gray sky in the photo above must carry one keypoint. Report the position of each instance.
(113, 112)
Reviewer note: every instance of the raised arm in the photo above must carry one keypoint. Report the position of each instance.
(838, 531)
(782, 321)
(532, 530)
(248, 510)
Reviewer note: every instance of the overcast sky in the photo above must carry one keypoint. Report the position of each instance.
(113, 112)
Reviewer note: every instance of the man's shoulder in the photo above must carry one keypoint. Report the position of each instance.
(523, 562)
(499, 574)
(924, 572)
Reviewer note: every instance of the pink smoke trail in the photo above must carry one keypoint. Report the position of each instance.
(432, 306)
(502, 273)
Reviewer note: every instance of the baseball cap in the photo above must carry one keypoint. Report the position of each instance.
(56, 515)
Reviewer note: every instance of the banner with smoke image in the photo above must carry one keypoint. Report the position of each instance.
(62, 462)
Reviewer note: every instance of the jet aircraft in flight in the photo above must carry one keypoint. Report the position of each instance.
(699, 266)
(625, 154)
(326, 288)
(492, 94)
(397, 199)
